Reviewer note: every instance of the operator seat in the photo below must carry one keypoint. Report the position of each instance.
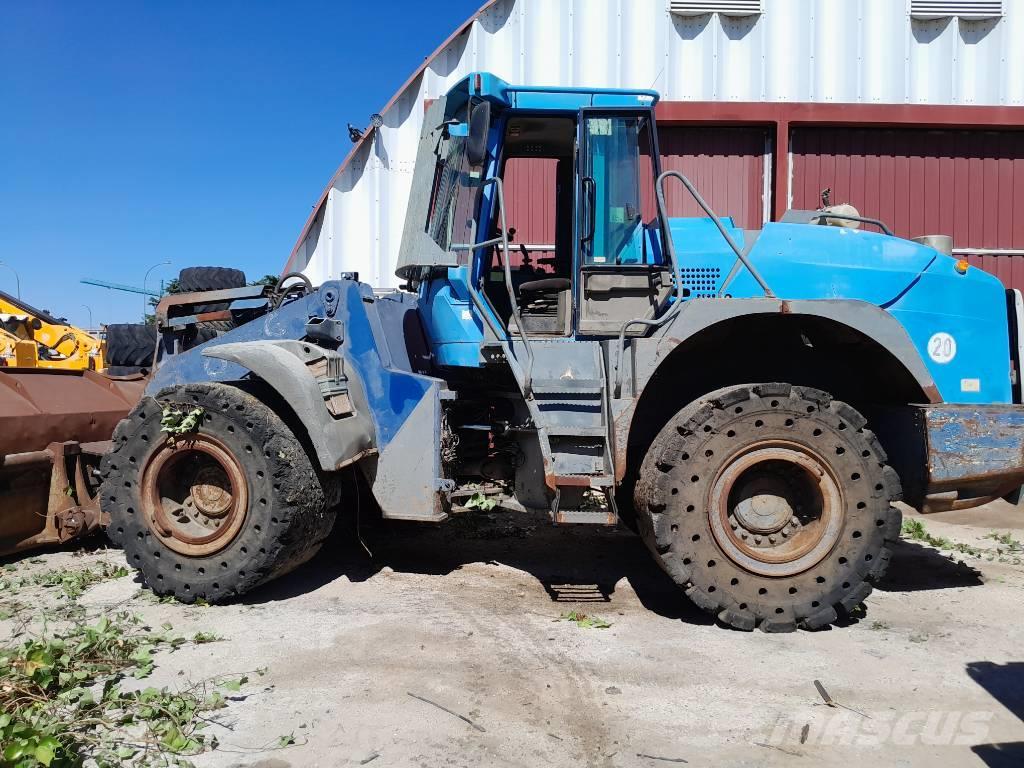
(544, 305)
(546, 285)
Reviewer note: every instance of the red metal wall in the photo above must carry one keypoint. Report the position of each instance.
(968, 184)
(1008, 268)
(530, 190)
(725, 164)
(530, 198)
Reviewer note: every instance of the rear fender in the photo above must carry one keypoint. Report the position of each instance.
(326, 395)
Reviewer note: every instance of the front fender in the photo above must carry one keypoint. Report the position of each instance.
(638, 364)
(861, 316)
(298, 372)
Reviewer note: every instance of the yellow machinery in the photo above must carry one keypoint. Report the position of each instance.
(55, 344)
(57, 412)
(16, 352)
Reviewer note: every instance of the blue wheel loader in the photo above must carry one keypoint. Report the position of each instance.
(751, 403)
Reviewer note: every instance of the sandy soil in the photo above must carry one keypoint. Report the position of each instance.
(467, 616)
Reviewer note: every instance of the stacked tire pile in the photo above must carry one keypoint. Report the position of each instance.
(131, 346)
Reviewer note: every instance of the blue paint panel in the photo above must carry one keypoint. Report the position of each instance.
(803, 261)
(391, 394)
(453, 325)
(972, 309)
(974, 442)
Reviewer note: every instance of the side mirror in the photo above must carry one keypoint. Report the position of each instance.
(479, 127)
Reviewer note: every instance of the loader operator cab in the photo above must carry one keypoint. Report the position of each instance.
(541, 211)
(582, 183)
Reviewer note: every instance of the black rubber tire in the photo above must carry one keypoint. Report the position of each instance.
(130, 345)
(195, 279)
(673, 498)
(625, 504)
(291, 502)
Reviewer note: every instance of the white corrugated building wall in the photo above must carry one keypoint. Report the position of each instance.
(777, 51)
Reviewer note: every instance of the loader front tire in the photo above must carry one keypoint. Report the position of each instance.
(221, 499)
(770, 505)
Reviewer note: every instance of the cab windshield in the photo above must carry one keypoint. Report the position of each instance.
(452, 220)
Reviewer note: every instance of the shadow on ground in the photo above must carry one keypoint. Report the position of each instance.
(579, 564)
(1005, 683)
(574, 564)
(915, 567)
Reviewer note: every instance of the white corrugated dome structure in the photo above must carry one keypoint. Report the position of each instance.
(743, 55)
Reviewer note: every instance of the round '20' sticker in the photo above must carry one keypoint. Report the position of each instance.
(941, 347)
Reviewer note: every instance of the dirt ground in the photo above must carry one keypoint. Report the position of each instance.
(467, 615)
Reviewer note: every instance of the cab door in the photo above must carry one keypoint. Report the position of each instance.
(621, 272)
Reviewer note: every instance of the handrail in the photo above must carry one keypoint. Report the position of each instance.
(659, 188)
(846, 217)
(673, 310)
(506, 264)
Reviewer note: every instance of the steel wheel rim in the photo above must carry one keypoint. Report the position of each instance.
(776, 508)
(195, 495)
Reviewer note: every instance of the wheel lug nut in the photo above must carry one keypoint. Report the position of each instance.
(794, 522)
(734, 526)
(771, 539)
(757, 539)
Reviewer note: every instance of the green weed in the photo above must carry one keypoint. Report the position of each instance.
(914, 529)
(63, 704)
(585, 621)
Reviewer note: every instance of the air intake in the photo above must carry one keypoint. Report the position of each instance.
(724, 7)
(965, 9)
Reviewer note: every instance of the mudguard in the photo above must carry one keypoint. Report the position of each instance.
(358, 396)
(862, 316)
(340, 434)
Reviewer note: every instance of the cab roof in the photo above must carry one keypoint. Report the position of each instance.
(544, 98)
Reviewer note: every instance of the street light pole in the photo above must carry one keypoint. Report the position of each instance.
(16, 278)
(145, 297)
(91, 327)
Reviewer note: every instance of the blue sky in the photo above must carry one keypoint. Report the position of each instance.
(197, 132)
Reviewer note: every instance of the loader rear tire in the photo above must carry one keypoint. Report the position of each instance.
(770, 505)
(223, 507)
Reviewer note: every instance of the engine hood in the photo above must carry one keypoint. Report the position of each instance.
(802, 261)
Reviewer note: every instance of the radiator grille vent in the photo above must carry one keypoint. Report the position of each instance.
(702, 281)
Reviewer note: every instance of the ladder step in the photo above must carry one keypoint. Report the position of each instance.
(596, 480)
(568, 430)
(586, 517)
(566, 386)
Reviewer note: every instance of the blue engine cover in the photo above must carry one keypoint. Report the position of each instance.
(957, 321)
